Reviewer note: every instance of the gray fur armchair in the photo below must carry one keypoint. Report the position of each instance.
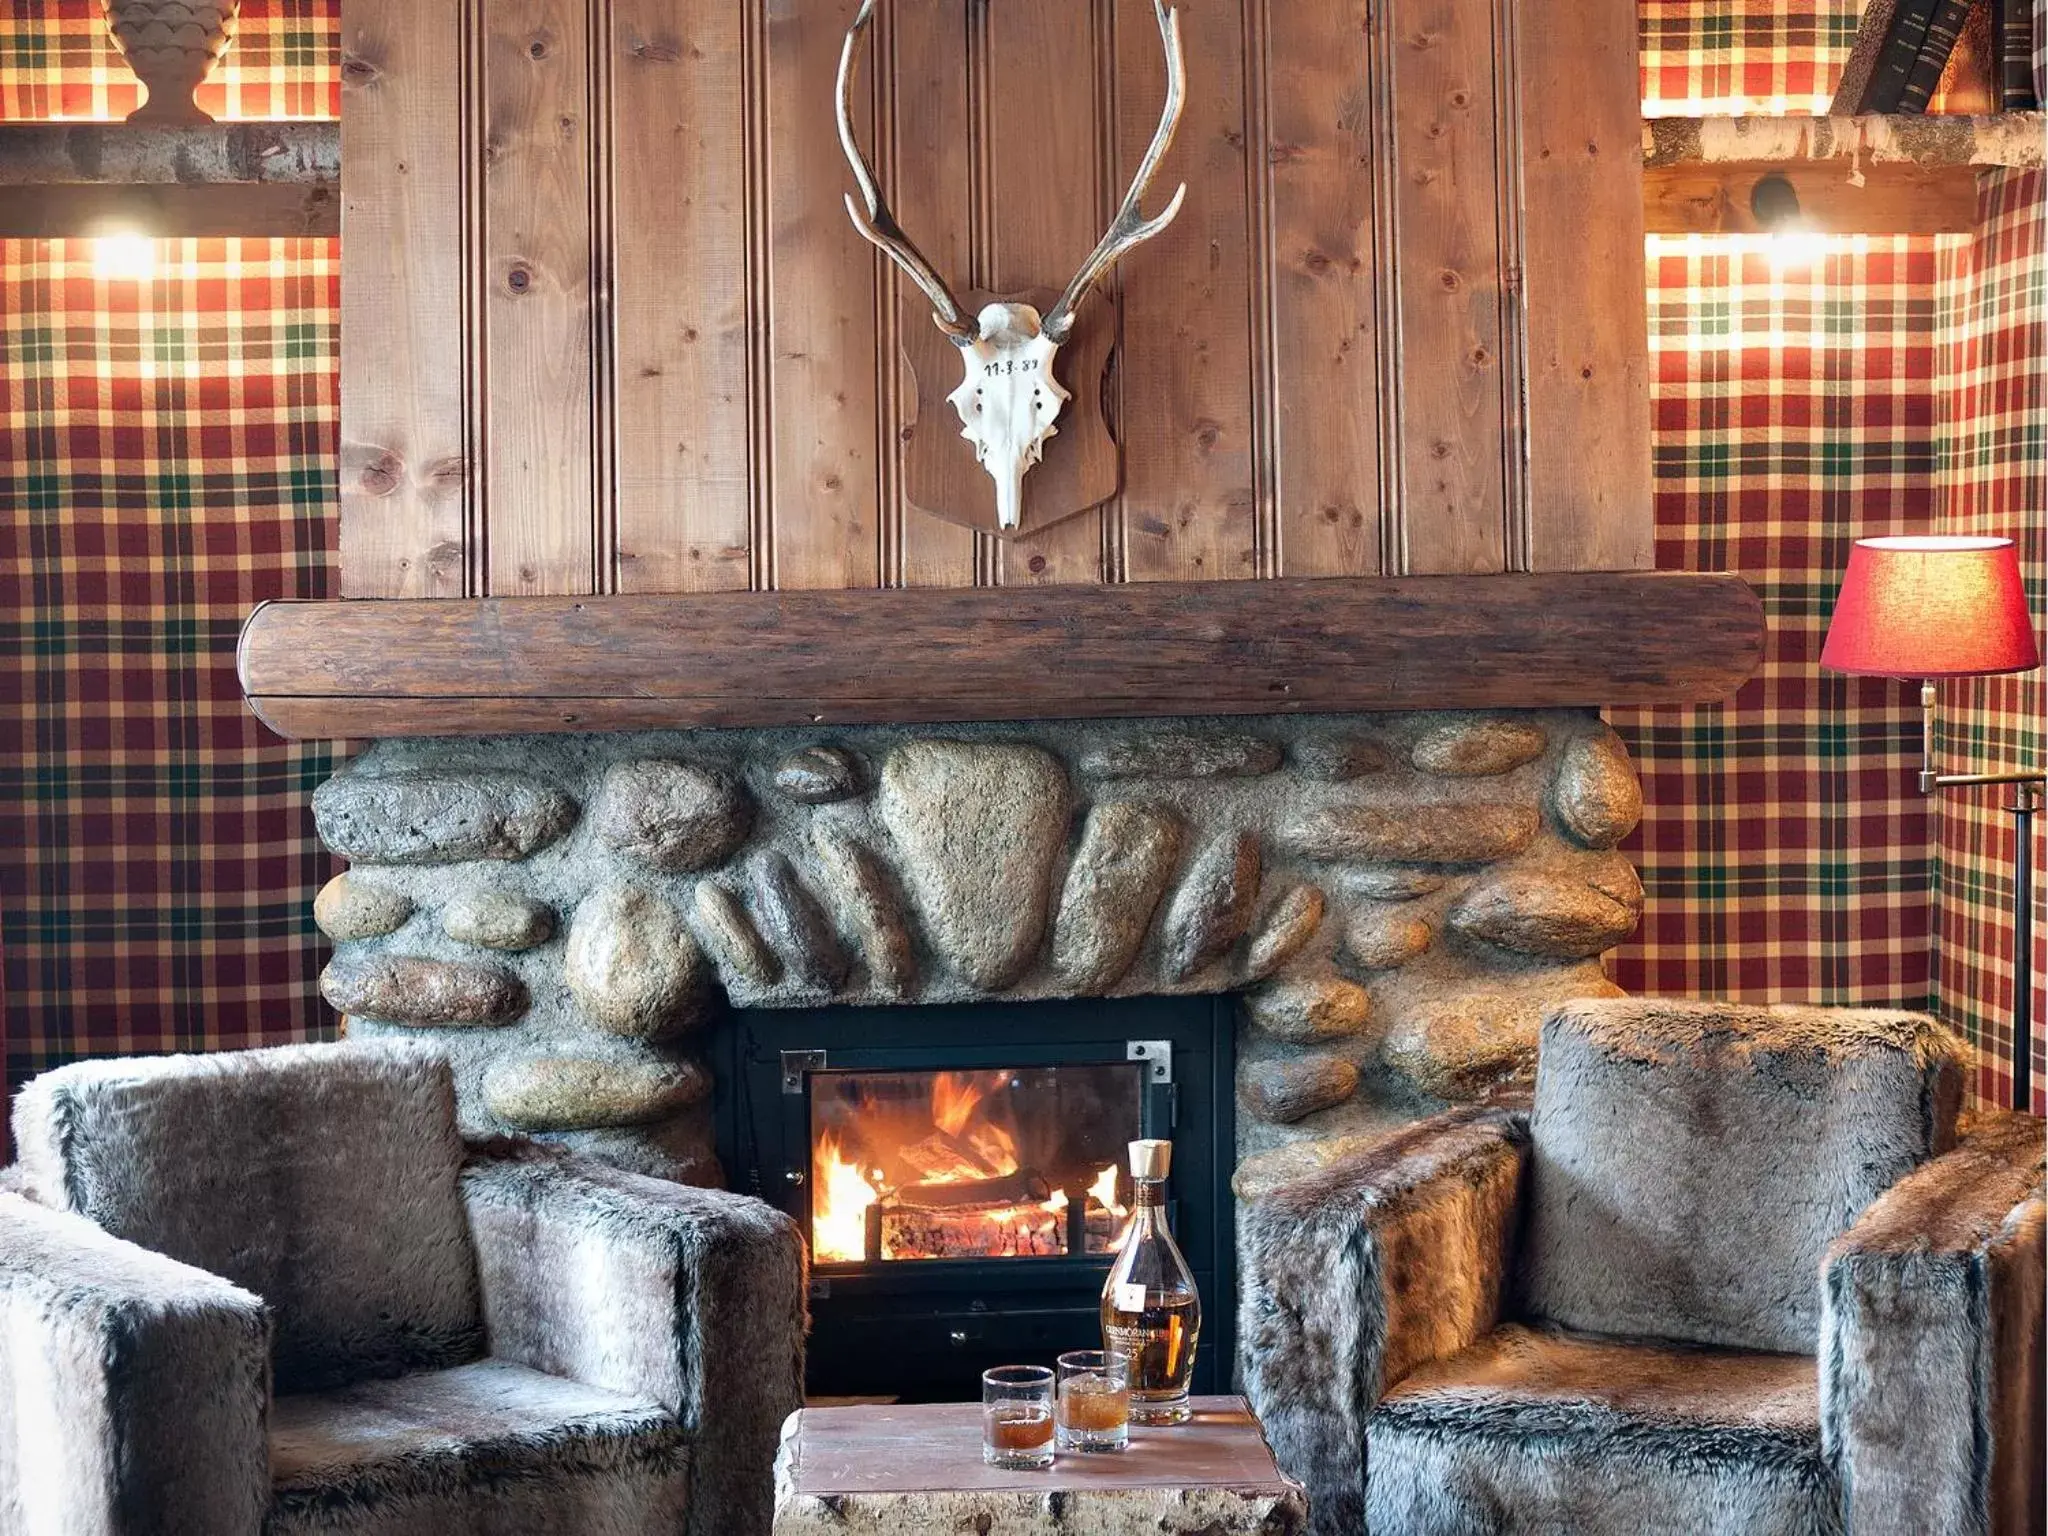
(1731, 1274)
(493, 1341)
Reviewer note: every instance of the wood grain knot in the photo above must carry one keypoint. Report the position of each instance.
(519, 279)
(381, 475)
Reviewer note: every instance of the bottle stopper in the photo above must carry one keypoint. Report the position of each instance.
(1150, 1159)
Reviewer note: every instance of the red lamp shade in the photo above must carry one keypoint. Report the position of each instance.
(1926, 606)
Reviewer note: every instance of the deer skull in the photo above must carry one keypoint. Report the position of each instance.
(1009, 400)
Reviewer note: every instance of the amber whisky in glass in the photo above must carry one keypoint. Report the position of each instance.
(1150, 1311)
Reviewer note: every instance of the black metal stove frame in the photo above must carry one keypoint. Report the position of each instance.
(925, 1329)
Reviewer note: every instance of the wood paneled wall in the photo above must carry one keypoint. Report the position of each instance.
(606, 327)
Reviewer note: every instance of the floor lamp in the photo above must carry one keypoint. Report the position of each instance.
(1927, 607)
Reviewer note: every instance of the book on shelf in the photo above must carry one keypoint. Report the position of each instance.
(1901, 52)
(1944, 28)
(1887, 45)
(2012, 31)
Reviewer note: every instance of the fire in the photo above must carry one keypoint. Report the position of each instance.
(954, 1096)
(839, 1204)
(1103, 1193)
(941, 1176)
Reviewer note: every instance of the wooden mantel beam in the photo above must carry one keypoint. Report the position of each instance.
(508, 665)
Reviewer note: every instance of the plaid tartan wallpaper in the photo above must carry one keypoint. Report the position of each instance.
(1784, 848)
(57, 61)
(1994, 473)
(166, 461)
(1763, 57)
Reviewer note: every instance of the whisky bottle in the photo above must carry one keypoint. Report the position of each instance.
(1150, 1312)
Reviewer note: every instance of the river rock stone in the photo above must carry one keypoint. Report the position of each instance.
(1213, 906)
(350, 907)
(632, 965)
(1181, 755)
(1388, 882)
(735, 943)
(817, 775)
(1338, 759)
(1284, 1090)
(979, 827)
(1462, 1048)
(1384, 942)
(796, 925)
(1119, 872)
(497, 920)
(1286, 930)
(1478, 748)
(1544, 914)
(1448, 833)
(674, 816)
(1597, 797)
(866, 895)
(413, 817)
(1263, 1172)
(1309, 1010)
(570, 1093)
(407, 989)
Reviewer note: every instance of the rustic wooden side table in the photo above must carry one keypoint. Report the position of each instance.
(917, 1471)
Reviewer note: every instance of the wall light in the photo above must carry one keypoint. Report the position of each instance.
(123, 258)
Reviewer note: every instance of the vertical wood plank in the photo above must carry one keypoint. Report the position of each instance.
(1045, 152)
(542, 478)
(1587, 344)
(405, 482)
(822, 363)
(1190, 505)
(1321, 166)
(678, 126)
(1453, 513)
(929, 182)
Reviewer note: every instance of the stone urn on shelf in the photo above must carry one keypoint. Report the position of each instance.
(172, 45)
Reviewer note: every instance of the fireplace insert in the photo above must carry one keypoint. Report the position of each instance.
(960, 1173)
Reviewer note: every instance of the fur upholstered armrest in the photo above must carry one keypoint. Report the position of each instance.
(133, 1388)
(1358, 1275)
(1931, 1342)
(694, 1297)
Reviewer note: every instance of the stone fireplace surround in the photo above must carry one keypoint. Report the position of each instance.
(1395, 898)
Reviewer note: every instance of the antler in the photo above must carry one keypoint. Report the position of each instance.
(878, 225)
(1130, 228)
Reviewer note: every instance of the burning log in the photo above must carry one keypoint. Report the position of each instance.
(943, 1157)
(971, 1234)
(961, 1194)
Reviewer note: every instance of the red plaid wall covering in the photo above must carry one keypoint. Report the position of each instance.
(1785, 850)
(57, 61)
(1994, 474)
(166, 462)
(1764, 57)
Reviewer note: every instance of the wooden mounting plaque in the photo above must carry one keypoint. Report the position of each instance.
(1081, 468)
(1314, 646)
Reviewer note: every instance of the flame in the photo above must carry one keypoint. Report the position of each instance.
(954, 1096)
(1103, 1193)
(841, 1195)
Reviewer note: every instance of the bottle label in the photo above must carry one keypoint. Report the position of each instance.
(1130, 1296)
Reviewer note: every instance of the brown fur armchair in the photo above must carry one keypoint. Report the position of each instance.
(508, 1340)
(1732, 1274)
